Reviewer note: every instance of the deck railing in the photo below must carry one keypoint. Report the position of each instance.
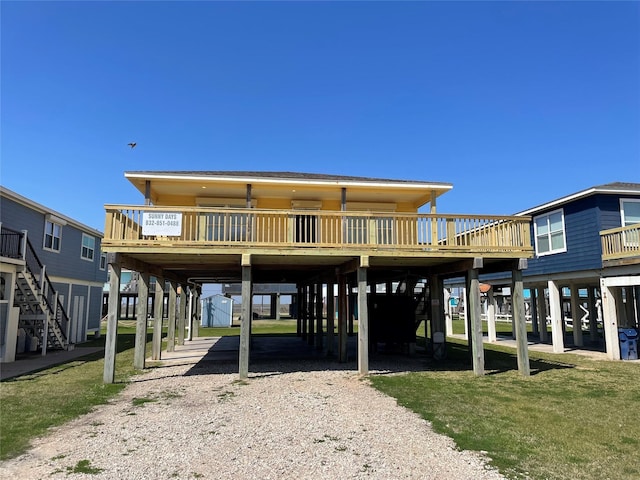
(193, 226)
(620, 243)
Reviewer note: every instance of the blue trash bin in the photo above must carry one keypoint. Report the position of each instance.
(628, 343)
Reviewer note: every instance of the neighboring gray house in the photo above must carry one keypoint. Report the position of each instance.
(52, 275)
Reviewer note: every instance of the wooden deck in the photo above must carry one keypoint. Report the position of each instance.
(621, 245)
(350, 233)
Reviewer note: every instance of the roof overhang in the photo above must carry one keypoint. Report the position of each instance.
(285, 185)
(609, 189)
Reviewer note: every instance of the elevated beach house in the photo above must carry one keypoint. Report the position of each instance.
(319, 232)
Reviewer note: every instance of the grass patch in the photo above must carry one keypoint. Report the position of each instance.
(573, 418)
(31, 404)
(84, 466)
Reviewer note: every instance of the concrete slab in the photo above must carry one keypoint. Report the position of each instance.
(30, 363)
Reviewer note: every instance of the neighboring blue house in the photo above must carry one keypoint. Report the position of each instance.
(586, 266)
(52, 275)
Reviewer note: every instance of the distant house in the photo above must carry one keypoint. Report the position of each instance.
(586, 266)
(52, 274)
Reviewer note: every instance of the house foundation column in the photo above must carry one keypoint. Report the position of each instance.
(447, 309)
(610, 320)
(519, 319)
(542, 315)
(331, 316)
(491, 316)
(555, 307)
(303, 310)
(342, 318)
(576, 316)
(111, 338)
(363, 318)
(438, 328)
(298, 311)
(197, 314)
(171, 315)
(245, 323)
(158, 304)
(534, 312)
(140, 352)
(319, 315)
(311, 327)
(475, 321)
(182, 311)
(593, 316)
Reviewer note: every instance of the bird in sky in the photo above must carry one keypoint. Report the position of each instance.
(132, 144)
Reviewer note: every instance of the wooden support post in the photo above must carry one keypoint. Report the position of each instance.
(342, 318)
(438, 326)
(319, 315)
(542, 315)
(245, 324)
(190, 307)
(555, 306)
(311, 328)
(182, 312)
(491, 316)
(535, 330)
(331, 316)
(298, 311)
(158, 304)
(197, 314)
(140, 352)
(171, 316)
(363, 321)
(520, 321)
(475, 322)
(351, 311)
(277, 299)
(111, 339)
(303, 310)
(576, 316)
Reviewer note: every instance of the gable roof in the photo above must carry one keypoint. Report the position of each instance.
(620, 188)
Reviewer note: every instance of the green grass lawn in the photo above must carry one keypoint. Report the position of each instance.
(572, 418)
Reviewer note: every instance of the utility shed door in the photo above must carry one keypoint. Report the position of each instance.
(217, 311)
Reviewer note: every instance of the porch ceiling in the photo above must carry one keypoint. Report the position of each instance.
(296, 267)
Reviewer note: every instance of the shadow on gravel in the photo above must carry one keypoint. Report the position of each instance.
(279, 354)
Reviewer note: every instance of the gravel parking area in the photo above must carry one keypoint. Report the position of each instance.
(190, 422)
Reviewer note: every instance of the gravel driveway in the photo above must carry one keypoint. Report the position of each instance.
(191, 422)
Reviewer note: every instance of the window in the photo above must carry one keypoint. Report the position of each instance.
(52, 235)
(103, 261)
(630, 215)
(357, 231)
(630, 211)
(549, 233)
(88, 246)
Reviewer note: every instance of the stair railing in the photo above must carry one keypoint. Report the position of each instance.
(15, 244)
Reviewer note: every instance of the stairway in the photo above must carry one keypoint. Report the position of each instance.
(41, 313)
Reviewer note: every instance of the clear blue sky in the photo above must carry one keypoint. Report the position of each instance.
(515, 103)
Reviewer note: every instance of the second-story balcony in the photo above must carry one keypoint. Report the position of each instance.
(621, 246)
(137, 228)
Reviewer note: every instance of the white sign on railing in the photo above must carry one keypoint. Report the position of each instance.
(162, 223)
